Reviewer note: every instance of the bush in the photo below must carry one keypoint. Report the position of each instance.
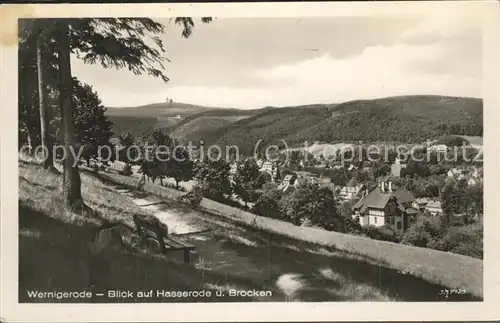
(127, 170)
(465, 240)
(384, 233)
(268, 204)
(421, 234)
(193, 197)
(173, 186)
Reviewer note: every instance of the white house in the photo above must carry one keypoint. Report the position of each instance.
(386, 205)
(420, 203)
(434, 208)
(349, 193)
(270, 168)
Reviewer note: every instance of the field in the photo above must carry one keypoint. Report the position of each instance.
(231, 256)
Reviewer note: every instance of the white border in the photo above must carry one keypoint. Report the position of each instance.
(11, 311)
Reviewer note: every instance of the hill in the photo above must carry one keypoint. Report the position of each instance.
(403, 119)
(137, 126)
(179, 119)
(158, 110)
(195, 127)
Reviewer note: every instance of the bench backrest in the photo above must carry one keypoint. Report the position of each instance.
(155, 230)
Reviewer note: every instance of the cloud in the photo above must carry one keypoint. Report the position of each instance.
(443, 28)
(377, 72)
(437, 56)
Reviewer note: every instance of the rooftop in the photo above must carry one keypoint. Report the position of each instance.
(378, 199)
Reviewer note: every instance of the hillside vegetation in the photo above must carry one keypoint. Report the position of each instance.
(403, 119)
(407, 119)
(196, 127)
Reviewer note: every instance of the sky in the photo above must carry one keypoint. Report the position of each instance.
(250, 63)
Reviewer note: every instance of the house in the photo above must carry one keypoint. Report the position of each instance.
(233, 168)
(420, 204)
(456, 173)
(352, 167)
(477, 172)
(473, 181)
(434, 208)
(288, 183)
(349, 193)
(324, 179)
(270, 168)
(386, 205)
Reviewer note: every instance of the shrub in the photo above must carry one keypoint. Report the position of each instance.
(193, 197)
(127, 170)
(173, 186)
(268, 204)
(384, 233)
(421, 233)
(465, 240)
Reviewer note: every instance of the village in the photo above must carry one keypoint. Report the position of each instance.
(389, 199)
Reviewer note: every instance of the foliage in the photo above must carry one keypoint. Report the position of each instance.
(127, 170)
(195, 196)
(384, 233)
(458, 198)
(247, 179)
(179, 166)
(92, 127)
(214, 178)
(421, 233)
(267, 203)
(314, 203)
(127, 154)
(409, 119)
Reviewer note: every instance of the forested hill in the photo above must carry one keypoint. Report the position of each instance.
(154, 110)
(395, 119)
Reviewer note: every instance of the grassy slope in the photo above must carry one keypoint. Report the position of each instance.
(137, 126)
(428, 268)
(54, 252)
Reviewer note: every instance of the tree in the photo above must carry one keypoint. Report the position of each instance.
(315, 204)
(72, 182)
(267, 203)
(112, 42)
(380, 169)
(92, 127)
(214, 178)
(179, 166)
(246, 180)
(42, 97)
(127, 154)
(421, 233)
(37, 74)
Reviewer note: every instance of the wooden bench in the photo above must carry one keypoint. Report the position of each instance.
(152, 228)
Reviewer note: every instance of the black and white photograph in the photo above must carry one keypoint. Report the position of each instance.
(218, 159)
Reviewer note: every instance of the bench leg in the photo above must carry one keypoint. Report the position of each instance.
(186, 256)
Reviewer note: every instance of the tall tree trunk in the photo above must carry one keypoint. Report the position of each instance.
(48, 162)
(26, 76)
(72, 183)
